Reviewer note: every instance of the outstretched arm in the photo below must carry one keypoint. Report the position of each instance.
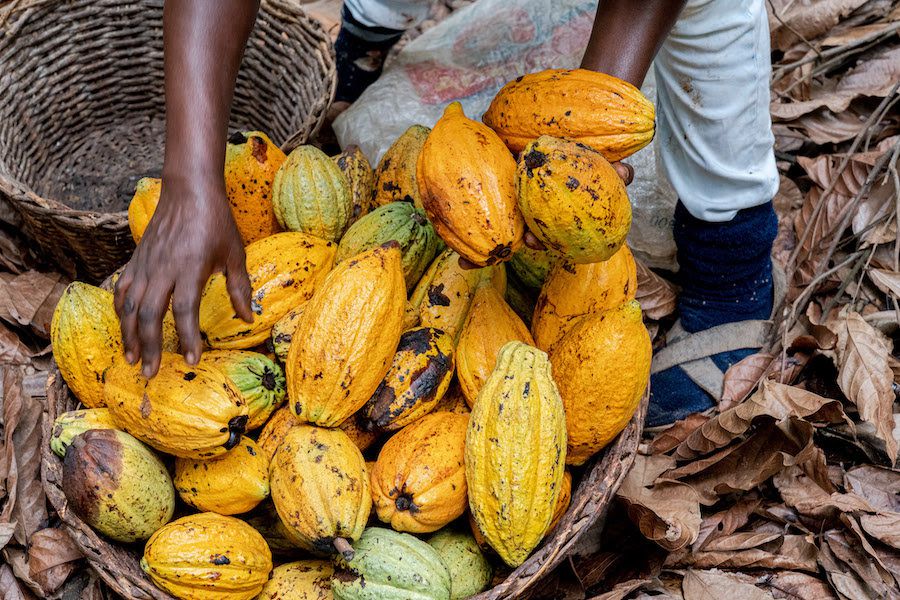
(627, 34)
(192, 233)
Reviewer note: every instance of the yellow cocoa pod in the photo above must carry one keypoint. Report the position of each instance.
(187, 411)
(593, 108)
(573, 291)
(356, 168)
(300, 580)
(143, 205)
(208, 557)
(283, 331)
(230, 484)
(572, 199)
(419, 375)
(515, 452)
(466, 178)
(453, 401)
(273, 432)
(86, 340)
(602, 367)
(419, 479)
(395, 177)
(117, 485)
(320, 488)
(444, 294)
(361, 436)
(285, 269)
(491, 323)
(251, 162)
(346, 337)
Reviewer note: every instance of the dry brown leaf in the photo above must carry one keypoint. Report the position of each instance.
(716, 585)
(792, 552)
(793, 585)
(670, 438)
(10, 588)
(865, 377)
(742, 377)
(29, 299)
(666, 512)
(6, 533)
(788, 199)
(12, 350)
(802, 493)
(52, 557)
(879, 486)
(852, 555)
(883, 527)
(826, 223)
(886, 281)
(842, 578)
(773, 400)
(742, 467)
(21, 455)
(621, 590)
(746, 540)
(727, 521)
(885, 559)
(656, 295)
(825, 127)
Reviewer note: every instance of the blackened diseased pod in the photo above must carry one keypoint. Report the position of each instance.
(419, 479)
(466, 177)
(391, 565)
(256, 377)
(207, 556)
(399, 221)
(444, 294)
(395, 176)
(597, 109)
(516, 453)
(315, 465)
(419, 375)
(346, 337)
(285, 270)
(299, 580)
(572, 199)
(117, 485)
(187, 411)
(361, 179)
(573, 291)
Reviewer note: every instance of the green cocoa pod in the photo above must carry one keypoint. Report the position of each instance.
(117, 485)
(259, 380)
(388, 565)
(470, 572)
(532, 266)
(398, 221)
(312, 195)
(74, 423)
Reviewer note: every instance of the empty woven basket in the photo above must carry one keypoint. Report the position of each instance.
(82, 112)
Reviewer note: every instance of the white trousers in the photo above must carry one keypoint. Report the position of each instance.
(714, 131)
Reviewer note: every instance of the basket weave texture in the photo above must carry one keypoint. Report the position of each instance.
(82, 112)
(118, 565)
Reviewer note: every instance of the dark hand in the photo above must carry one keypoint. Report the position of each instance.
(191, 235)
(623, 170)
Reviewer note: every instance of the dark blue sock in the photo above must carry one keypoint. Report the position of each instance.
(360, 52)
(726, 276)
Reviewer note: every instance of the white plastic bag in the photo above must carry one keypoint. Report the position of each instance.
(469, 57)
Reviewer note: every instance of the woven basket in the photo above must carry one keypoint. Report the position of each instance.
(118, 565)
(82, 112)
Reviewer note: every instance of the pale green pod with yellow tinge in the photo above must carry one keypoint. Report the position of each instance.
(470, 571)
(117, 485)
(259, 380)
(516, 452)
(312, 195)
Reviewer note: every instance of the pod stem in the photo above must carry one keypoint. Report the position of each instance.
(344, 548)
(236, 428)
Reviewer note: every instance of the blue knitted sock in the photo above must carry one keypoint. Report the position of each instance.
(360, 51)
(726, 276)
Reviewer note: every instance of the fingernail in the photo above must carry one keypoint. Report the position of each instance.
(129, 357)
(191, 358)
(147, 372)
